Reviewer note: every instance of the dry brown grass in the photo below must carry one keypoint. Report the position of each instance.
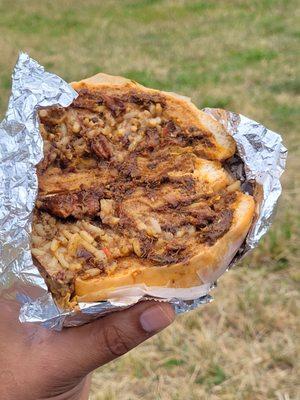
(237, 54)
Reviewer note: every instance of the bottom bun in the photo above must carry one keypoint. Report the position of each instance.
(206, 266)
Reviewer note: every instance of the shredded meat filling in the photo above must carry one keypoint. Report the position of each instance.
(78, 204)
(219, 227)
(101, 147)
(137, 192)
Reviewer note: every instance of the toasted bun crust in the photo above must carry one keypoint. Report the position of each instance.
(207, 265)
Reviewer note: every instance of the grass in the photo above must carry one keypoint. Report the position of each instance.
(237, 54)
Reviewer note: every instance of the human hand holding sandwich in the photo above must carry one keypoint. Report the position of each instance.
(36, 363)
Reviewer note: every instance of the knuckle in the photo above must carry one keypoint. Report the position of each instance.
(116, 341)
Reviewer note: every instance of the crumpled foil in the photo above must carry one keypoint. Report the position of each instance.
(259, 164)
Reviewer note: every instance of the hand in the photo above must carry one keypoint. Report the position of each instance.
(36, 363)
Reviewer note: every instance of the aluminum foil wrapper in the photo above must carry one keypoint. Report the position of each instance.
(259, 165)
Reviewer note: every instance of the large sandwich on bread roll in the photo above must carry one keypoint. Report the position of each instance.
(134, 189)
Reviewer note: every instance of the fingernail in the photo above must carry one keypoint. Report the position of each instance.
(157, 318)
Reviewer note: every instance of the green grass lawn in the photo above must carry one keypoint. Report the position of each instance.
(242, 55)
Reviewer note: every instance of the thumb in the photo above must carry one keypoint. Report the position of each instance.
(85, 348)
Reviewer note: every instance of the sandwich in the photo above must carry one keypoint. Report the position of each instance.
(134, 189)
